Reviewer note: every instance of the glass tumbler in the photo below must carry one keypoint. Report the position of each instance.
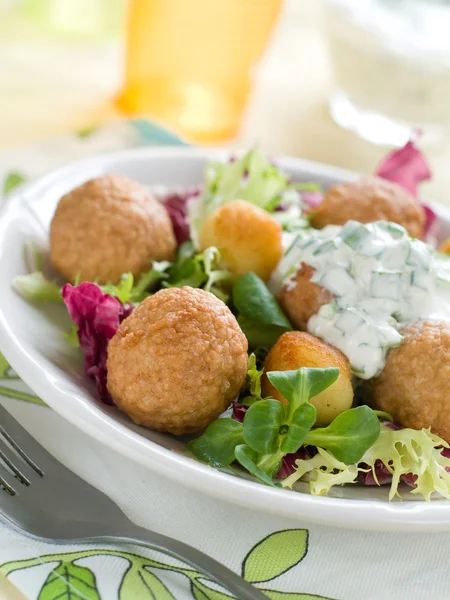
(189, 62)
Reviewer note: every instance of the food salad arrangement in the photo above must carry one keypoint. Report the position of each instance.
(288, 332)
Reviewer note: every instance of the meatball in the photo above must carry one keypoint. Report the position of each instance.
(303, 300)
(178, 361)
(248, 238)
(413, 387)
(296, 349)
(370, 199)
(108, 226)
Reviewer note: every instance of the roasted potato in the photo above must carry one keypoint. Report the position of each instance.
(248, 238)
(296, 349)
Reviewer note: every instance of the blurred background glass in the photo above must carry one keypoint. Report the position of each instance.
(189, 63)
(326, 80)
(391, 61)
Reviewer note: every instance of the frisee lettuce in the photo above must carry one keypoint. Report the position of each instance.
(127, 291)
(189, 268)
(252, 178)
(324, 471)
(415, 453)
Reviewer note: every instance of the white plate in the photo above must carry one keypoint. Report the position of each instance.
(32, 340)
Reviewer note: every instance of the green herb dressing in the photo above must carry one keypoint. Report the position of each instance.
(382, 281)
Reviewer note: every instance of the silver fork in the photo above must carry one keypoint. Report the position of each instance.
(44, 499)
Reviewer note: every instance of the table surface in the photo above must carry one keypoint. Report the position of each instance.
(48, 87)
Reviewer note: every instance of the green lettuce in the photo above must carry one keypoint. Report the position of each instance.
(416, 454)
(252, 178)
(36, 288)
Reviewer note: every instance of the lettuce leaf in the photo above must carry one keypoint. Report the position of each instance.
(252, 178)
(34, 287)
(417, 455)
(324, 471)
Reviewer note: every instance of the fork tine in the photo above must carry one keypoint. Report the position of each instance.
(15, 463)
(24, 443)
(6, 482)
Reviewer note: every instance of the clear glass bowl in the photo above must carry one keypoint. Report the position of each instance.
(391, 62)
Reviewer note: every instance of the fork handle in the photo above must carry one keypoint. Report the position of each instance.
(188, 555)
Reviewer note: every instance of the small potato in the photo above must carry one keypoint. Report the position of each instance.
(297, 349)
(248, 238)
(445, 247)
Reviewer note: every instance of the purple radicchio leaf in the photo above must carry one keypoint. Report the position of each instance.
(406, 166)
(177, 206)
(97, 317)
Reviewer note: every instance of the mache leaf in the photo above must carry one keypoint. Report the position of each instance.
(262, 423)
(301, 422)
(349, 436)
(299, 385)
(247, 458)
(217, 444)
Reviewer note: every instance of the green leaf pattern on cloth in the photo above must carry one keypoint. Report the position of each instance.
(141, 584)
(274, 555)
(70, 582)
(11, 181)
(8, 391)
(269, 559)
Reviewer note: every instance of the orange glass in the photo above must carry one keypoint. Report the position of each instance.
(189, 62)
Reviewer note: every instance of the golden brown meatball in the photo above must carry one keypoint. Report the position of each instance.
(303, 301)
(248, 238)
(413, 387)
(108, 226)
(370, 199)
(178, 361)
(297, 349)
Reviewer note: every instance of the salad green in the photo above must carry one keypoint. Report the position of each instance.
(252, 178)
(278, 442)
(259, 314)
(189, 268)
(270, 429)
(417, 454)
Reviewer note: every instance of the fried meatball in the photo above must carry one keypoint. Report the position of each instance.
(297, 349)
(108, 226)
(413, 387)
(370, 199)
(248, 238)
(178, 361)
(303, 300)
